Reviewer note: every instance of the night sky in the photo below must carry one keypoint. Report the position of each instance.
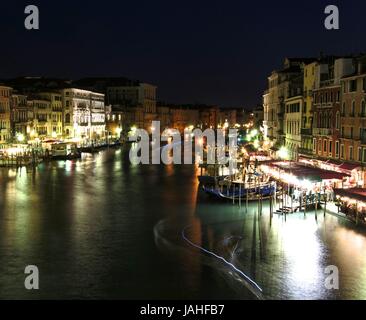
(214, 52)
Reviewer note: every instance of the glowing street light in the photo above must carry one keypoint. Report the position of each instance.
(118, 131)
(256, 143)
(20, 137)
(283, 153)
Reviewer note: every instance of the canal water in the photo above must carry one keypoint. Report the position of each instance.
(100, 227)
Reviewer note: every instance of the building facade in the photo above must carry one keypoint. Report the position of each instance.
(282, 84)
(353, 114)
(5, 114)
(84, 114)
(293, 117)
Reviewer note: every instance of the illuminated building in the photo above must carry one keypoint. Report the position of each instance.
(5, 114)
(21, 114)
(137, 96)
(84, 114)
(40, 116)
(353, 114)
(280, 87)
(55, 114)
(326, 108)
(115, 119)
(293, 115)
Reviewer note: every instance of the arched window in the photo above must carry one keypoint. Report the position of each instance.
(315, 120)
(320, 120)
(330, 120)
(338, 120)
(353, 106)
(343, 109)
(325, 120)
(67, 118)
(363, 108)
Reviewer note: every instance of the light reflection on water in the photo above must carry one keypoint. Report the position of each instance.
(88, 225)
(287, 258)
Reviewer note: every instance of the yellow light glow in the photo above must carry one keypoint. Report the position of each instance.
(20, 137)
(283, 153)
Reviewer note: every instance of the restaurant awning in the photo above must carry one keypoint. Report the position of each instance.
(358, 194)
(343, 165)
(309, 173)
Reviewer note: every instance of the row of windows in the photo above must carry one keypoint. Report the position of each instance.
(293, 107)
(4, 93)
(293, 127)
(350, 135)
(327, 97)
(325, 120)
(352, 111)
(326, 146)
(354, 85)
(4, 124)
(4, 137)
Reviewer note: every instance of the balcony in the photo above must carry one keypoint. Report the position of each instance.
(326, 83)
(322, 131)
(347, 136)
(305, 151)
(305, 131)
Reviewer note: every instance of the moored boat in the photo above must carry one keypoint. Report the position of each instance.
(242, 191)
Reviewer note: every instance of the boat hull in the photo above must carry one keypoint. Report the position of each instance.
(252, 193)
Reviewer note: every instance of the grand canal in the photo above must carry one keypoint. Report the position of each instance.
(100, 227)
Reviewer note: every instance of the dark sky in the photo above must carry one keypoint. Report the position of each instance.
(216, 52)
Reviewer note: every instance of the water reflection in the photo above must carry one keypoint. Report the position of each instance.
(288, 257)
(88, 224)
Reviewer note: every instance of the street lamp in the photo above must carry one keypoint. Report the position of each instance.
(20, 137)
(283, 153)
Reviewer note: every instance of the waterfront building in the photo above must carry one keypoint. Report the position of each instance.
(164, 116)
(114, 122)
(84, 114)
(184, 116)
(5, 114)
(122, 92)
(310, 78)
(138, 94)
(208, 116)
(21, 115)
(294, 109)
(257, 115)
(227, 117)
(353, 113)
(56, 113)
(40, 118)
(316, 75)
(280, 87)
(326, 108)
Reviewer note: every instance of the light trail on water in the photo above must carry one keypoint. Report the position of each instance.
(255, 288)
